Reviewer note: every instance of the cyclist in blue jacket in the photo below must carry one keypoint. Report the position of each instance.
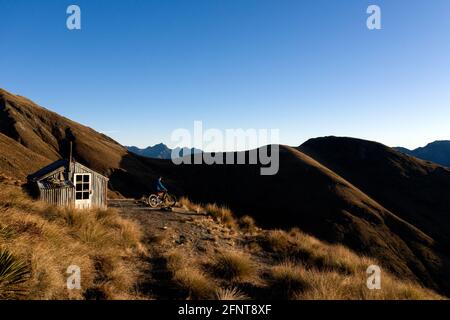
(160, 188)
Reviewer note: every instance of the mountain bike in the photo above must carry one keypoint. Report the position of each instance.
(167, 200)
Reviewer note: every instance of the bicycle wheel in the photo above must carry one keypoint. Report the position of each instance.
(170, 200)
(153, 201)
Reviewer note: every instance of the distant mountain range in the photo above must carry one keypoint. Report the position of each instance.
(161, 151)
(437, 152)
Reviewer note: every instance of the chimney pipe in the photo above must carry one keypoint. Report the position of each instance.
(70, 155)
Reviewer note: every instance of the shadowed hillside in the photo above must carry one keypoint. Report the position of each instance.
(364, 195)
(417, 191)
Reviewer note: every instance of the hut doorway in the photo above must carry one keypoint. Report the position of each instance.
(83, 191)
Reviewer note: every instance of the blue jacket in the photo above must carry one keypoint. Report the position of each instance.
(160, 186)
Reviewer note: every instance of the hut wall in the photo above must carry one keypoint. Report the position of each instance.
(58, 196)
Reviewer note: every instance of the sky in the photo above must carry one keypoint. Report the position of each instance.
(138, 70)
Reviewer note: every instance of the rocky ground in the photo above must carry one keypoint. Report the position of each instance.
(177, 228)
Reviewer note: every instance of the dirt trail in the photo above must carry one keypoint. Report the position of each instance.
(166, 230)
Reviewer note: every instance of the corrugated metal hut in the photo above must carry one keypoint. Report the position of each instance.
(70, 184)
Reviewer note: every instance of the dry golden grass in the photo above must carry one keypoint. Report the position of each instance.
(176, 259)
(295, 245)
(221, 214)
(234, 265)
(247, 224)
(230, 294)
(322, 271)
(194, 282)
(188, 205)
(51, 239)
(188, 276)
(336, 286)
(286, 279)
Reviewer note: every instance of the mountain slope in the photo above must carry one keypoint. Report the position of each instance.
(17, 159)
(308, 192)
(437, 152)
(417, 191)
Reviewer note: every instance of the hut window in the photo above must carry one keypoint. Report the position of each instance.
(82, 186)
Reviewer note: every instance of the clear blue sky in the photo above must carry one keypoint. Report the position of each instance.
(139, 69)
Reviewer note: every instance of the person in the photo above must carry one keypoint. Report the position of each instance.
(161, 190)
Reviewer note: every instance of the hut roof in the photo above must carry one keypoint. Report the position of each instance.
(52, 185)
(42, 173)
(59, 165)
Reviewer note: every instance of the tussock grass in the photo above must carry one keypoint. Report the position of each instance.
(298, 246)
(317, 270)
(176, 259)
(221, 214)
(194, 282)
(286, 279)
(234, 265)
(188, 205)
(188, 277)
(336, 286)
(247, 224)
(49, 240)
(230, 294)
